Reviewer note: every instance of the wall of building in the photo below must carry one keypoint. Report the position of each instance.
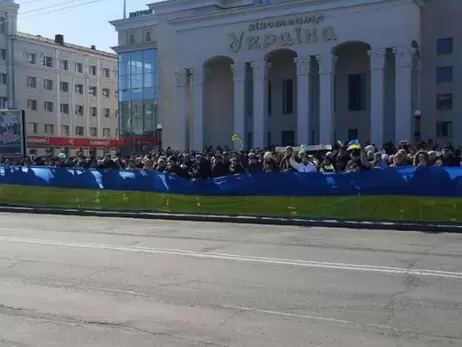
(441, 21)
(189, 38)
(94, 89)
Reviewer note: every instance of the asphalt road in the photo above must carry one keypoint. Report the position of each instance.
(82, 281)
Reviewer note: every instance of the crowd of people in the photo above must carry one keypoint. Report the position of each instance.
(219, 162)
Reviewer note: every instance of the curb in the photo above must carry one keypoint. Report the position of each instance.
(348, 224)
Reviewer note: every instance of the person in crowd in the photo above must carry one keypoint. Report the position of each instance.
(219, 162)
(306, 165)
(285, 165)
(358, 161)
(421, 158)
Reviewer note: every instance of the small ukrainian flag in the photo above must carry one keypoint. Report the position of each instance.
(236, 138)
(353, 144)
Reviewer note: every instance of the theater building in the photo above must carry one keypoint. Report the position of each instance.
(291, 72)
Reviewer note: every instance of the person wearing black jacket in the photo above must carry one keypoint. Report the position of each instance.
(108, 163)
(200, 170)
(220, 168)
(174, 169)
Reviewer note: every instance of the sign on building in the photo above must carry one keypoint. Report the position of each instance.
(12, 133)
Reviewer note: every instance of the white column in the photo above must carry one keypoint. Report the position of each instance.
(303, 100)
(377, 90)
(260, 102)
(239, 103)
(403, 94)
(181, 108)
(326, 103)
(198, 78)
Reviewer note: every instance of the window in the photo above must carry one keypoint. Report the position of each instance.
(444, 74)
(64, 130)
(79, 131)
(79, 88)
(107, 112)
(47, 61)
(3, 54)
(32, 105)
(31, 58)
(2, 25)
(116, 113)
(92, 91)
(33, 127)
(92, 70)
(287, 96)
(79, 67)
(64, 108)
(49, 129)
(445, 46)
(444, 101)
(79, 110)
(106, 132)
(270, 109)
(93, 111)
(287, 138)
(106, 92)
(93, 132)
(131, 38)
(31, 82)
(3, 102)
(106, 72)
(48, 106)
(357, 92)
(64, 87)
(64, 64)
(444, 129)
(48, 84)
(147, 36)
(3, 78)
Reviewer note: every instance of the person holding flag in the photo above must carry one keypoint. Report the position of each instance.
(358, 160)
(238, 139)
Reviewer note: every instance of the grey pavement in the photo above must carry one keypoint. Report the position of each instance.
(96, 281)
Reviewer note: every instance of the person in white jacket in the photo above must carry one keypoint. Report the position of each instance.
(306, 165)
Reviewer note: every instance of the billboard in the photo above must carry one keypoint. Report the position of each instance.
(12, 136)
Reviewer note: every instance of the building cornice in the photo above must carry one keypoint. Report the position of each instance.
(134, 23)
(67, 47)
(172, 6)
(10, 7)
(265, 11)
(132, 48)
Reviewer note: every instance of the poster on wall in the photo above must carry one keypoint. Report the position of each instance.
(12, 134)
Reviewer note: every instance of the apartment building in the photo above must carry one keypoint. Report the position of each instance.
(285, 72)
(69, 92)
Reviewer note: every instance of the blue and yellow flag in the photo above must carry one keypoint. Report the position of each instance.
(353, 144)
(236, 138)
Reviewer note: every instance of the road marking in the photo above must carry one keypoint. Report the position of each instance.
(244, 258)
(308, 317)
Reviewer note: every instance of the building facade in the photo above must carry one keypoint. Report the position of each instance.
(69, 92)
(301, 71)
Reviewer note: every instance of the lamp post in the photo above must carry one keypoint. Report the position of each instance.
(159, 136)
(417, 126)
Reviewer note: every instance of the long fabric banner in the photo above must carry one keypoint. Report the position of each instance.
(421, 194)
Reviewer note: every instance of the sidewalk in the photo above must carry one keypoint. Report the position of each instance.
(350, 224)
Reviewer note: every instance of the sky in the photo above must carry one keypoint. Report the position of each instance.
(82, 22)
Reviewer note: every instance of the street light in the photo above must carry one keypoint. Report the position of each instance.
(159, 136)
